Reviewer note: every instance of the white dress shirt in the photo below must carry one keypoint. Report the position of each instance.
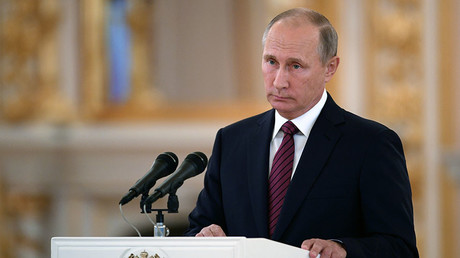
(304, 123)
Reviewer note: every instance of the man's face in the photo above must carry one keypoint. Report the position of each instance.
(294, 75)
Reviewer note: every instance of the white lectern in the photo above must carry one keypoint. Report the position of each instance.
(171, 247)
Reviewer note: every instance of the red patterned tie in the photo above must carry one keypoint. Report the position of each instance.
(280, 175)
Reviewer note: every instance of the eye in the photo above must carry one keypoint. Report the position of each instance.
(296, 66)
(271, 62)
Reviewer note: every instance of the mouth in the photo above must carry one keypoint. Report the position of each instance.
(279, 98)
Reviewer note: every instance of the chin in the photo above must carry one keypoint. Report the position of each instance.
(280, 106)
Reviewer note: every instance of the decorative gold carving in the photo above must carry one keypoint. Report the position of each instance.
(396, 73)
(6, 222)
(28, 63)
(143, 93)
(23, 211)
(144, 254)
(93, 59)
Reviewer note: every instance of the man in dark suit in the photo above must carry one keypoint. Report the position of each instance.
(348, 192)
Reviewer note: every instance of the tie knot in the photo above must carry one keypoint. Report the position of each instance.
(289, 128)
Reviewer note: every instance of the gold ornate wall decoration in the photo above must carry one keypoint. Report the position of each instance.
(144, 95)
(18, 213)
(395, 70)
(29, 211)
(92, 58)
(6, 219)
(29, 63)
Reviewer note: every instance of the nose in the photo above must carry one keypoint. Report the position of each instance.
(281, 79)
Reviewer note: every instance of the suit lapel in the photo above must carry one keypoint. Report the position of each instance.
(322, 140)
(258, 143)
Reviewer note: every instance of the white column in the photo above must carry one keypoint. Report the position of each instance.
(353, 78)
(68, 50)
(431, 122)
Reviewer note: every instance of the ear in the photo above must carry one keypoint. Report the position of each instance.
(331, 68)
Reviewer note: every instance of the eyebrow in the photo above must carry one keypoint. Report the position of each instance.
(296, 60)
(266, 57)
(289, 60)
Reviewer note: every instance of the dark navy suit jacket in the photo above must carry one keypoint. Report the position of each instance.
(351, 184)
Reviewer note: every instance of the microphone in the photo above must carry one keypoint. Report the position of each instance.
(164, 165)
(194, 164)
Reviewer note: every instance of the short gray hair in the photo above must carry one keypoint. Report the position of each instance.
(327, 47)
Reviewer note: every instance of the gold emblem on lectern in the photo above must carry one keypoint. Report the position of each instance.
(144, 254)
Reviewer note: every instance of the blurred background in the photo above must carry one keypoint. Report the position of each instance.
(92, 91)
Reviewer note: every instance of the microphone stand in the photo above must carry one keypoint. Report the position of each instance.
(160, 229)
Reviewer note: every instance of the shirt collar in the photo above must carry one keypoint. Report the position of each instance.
(304, 122)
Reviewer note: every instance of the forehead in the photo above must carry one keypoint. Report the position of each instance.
(292, 36)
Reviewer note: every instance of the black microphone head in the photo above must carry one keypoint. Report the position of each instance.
(199, 160)
(194, 164)
(169, 158)
(165, 164)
